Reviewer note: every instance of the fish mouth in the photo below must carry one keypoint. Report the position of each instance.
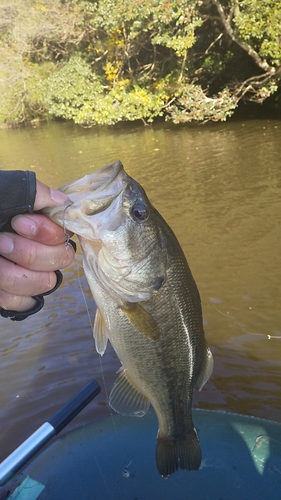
(88, 196)
(104, 183)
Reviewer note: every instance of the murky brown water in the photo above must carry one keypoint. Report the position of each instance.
(219, 187)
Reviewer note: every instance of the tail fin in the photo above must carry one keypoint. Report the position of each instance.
(173, 453)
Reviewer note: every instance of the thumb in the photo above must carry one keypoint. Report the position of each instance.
(48, 197)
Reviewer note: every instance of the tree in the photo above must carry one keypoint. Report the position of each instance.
(104, 61)
(34, 36)
(248, 33)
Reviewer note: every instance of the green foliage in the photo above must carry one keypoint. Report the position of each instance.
(143, 37)
(74, 92)
(123, 105)
(33, 36)
(71, 90)
(106, 61)
(193, 105)
(258, 23)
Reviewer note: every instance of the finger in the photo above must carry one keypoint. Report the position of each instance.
(18, 303)
(47, 197)
(39, 228)
(17, 280)
(33, 255)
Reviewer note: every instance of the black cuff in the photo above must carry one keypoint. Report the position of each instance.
(19, 316)
(58, 283)
(73, 244)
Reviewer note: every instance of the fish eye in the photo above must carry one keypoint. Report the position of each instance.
(140, 212)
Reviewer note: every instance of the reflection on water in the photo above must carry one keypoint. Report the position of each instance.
(219, 187)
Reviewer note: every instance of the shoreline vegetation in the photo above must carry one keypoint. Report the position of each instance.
(110, 61)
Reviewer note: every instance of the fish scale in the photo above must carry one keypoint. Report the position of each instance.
(148, 307)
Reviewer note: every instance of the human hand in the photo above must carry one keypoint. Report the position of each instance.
(29, 258)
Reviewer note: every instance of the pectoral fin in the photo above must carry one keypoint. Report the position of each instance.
(100, 334)
(126, 399)
(142, 321)
(206, 371)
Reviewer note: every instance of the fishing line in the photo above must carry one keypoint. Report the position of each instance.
(103, 478)
(241, 327)
(63, 225)
(239, 324)
(103, 379)
(100, 357)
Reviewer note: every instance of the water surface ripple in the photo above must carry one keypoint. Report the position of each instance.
(219, 187)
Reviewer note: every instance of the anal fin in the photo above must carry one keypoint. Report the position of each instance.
(126, 399)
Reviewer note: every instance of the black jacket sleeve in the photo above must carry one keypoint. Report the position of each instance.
(17, 195)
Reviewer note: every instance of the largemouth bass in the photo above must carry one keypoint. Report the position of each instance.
(148, 306)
